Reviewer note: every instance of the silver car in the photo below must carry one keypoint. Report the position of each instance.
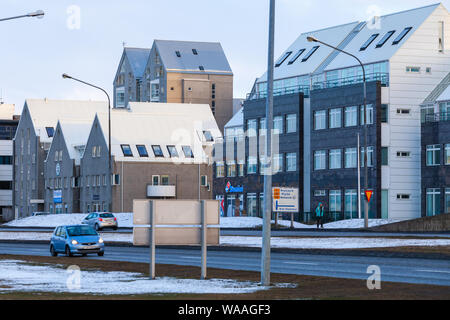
(100, 220)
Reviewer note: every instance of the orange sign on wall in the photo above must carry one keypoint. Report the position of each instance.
(276, 193)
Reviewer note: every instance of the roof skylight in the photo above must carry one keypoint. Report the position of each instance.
(283, 59)
(126, 150)
(310, 53)
(402, 35)
(386, 37)
(297, 55)
(369, 42)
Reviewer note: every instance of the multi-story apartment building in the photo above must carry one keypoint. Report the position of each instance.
(405, 56)
(177, 72)
(8, 126)
(32, 142)
(159, 151)
(436, 151)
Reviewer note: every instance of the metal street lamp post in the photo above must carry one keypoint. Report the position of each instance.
(66, 76)
(37, 14)
(366, 179)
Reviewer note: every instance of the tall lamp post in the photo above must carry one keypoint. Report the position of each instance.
(37, 14)
(267, 214)
(66, 76)
(366, 178)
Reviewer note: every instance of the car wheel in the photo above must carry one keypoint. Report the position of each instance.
(52, 251)
(101, 254)
(68, 253)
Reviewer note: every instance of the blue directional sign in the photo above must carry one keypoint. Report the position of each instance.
(285, 199)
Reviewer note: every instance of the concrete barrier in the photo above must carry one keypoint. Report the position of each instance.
(439, 223)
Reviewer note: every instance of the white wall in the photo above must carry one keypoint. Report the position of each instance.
(409, 90)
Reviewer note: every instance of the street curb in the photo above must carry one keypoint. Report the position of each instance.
(329, 252)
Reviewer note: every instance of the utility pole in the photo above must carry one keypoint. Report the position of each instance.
(267, 216)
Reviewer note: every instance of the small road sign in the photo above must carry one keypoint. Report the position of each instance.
(285, 199)
(369, 194)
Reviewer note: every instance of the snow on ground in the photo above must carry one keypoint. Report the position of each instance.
(21, 276)
(126, 220)
(331, 243)
(276, 242)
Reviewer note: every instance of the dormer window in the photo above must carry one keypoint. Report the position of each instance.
(50, 131)
(157, 151)
(126, 150)
(386, 37)
(369, 42)
(283, 58)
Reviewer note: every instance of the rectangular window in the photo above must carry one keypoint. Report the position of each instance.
(320, 160)
(94, 151)
(297, 55)
(291, 162)
(384, 113)
(251, 127)
(351, 116)
(386, 37)
(433, 155)
(220, 170)
(403, 111)
(252, 165)
(142, 150)
(384, 156)
(403, 154)
(262, 126)
(231, 169)
(252, 205)
(402, 35)
(401, 196)
(97, 154)
(155, 180)
(120, 97)
(165, 180)
(291, 123)
(413, 69)
(157, 151)
(351, 160)
(283, 58)
(126, 150)
(172, 151)
(369, 114)
(447, 200)
(278, 125)
(433, 202)
(369, 157)
(447, 154)
(335, 201)
(369, 42)
(278, 163)
(320, 120)
(188, 152)
(240, 168)
(335, 118)
(320, 193)
(335, 159)
(310, 53)
(351, 204)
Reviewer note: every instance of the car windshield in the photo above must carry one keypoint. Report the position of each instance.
(106, 215)
(81, 231)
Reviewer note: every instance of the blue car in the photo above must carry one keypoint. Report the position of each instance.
(76, 239)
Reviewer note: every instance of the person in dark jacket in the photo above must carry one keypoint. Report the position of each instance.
(319, 215)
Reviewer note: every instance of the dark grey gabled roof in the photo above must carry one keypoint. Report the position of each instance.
(137, 58)
(210, 56)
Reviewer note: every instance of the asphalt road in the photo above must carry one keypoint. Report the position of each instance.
(276, 233)
(420, 271)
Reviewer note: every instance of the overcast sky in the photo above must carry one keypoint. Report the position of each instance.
(35, 52)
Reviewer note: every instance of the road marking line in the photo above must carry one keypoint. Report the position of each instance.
(436, 271)
(304, 263)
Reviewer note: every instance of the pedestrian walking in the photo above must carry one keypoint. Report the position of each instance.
(319, 215)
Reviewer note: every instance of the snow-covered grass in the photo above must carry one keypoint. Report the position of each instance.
(126, 220)
(276, 242)
(21, 276)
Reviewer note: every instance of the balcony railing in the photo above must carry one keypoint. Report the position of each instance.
(437, 117)
(382, 77)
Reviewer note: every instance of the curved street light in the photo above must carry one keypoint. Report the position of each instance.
(366, 182)
(36, 14)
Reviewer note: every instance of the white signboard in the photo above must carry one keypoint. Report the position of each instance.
(285, 199)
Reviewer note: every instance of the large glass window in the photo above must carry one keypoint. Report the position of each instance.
(251, 127)
(433, 155)
(370, 152)
(320, 160)
(351, 116)
(369, 114)
(278, 125)
(252, 205)
(291, 123)
(278, 163)
(252, 165)
(351, 204)
(433, 202)
(335, 159)
(320, 120)
(335, 202)
(120, 97)
(335, 118)
(291, 162)
(351, 160)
